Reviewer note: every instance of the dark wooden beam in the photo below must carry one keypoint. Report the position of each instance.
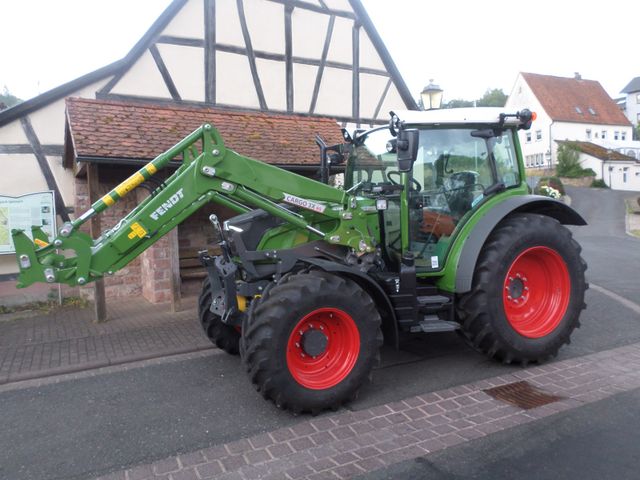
(21, 148)
(321, 65)
(382, 97)
(316, 8)
(251, 55)
(37, 150)
(93, 185)
(288, 55)
(210, 51)
(166, 76)
(194, 42)
(355, 84)
(374, 36)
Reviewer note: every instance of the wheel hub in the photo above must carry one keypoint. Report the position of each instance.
(517, 288)
(314, 342)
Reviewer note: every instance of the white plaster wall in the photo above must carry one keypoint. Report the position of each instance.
(369, 57)
(189, 21)
(304, 77)
(228, 30)
(8, 264)
(371, 90)
(143, 79)
(272, 78)
(633, 107)
(12, 133)
(186, 67)
(615, 177)
(308, 32)
(64, 179)
(265, 21)
(237, 88)
(21, 175)
(338, 5)
(393, 101)
(334, 97)
(521, 97)
(340, 49)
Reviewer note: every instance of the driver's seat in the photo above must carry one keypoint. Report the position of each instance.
(460, 197)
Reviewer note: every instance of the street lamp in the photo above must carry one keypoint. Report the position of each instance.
(431, 96)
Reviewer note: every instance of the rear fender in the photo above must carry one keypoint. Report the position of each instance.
(517, 204)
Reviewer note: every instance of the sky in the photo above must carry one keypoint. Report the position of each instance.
(465, 46)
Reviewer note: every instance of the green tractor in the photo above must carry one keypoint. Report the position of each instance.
(433, 230)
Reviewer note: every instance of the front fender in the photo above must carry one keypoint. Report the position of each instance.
(518, 204)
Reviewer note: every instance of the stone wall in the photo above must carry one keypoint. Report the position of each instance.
(126, 282)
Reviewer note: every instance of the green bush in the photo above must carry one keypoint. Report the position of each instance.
(569, 163)
(553, 182)
(598, 183)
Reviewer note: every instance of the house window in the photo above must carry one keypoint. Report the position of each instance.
(604, 135)
(592, 111)
(528, 137)
(637, 97)
(538, 135)
(579, 110)
(623, 136)
(616, 134)
(588, 134)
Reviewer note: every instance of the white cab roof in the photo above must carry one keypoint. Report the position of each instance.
(456, 116)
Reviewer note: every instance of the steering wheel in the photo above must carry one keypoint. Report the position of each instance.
(415, 183)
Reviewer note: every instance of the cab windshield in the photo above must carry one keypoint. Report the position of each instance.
(455, 169)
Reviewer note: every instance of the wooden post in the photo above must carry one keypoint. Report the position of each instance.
(94, 231)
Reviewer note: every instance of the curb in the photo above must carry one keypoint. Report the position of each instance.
(51, 372)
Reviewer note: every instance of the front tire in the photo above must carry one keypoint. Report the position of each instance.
(528, 291)
(223, 336)
(312, 341)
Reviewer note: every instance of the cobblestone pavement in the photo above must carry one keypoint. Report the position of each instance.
(67, 340)
(345, 445)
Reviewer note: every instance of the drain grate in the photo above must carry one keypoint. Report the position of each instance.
(522, 394)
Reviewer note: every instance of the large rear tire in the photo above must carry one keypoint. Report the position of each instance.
(223, 336)
(311, 341)
(528, 291)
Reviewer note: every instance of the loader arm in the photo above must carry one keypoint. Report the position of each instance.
(210, 172)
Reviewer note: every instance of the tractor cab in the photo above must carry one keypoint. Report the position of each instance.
(434, 169)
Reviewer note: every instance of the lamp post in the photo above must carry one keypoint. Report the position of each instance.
(431, 96)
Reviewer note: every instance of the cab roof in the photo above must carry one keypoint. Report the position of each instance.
(457, 116)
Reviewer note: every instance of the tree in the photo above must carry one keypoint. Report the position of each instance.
(493, 97)
(8, 99)
(458, 103)
(569, 162)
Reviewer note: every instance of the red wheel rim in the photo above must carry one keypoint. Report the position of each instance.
(339, 340)
(536, 292)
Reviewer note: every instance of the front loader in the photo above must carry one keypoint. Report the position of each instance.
(433, 231)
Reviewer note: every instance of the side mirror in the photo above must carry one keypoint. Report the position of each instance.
(407, 147)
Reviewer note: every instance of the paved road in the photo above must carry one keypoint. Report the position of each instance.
(83, 428)
(612, 255)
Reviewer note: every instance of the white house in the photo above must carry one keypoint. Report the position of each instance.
(619, 171)
(567, 109)
(632, 101)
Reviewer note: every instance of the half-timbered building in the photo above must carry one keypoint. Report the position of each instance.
(307, 65)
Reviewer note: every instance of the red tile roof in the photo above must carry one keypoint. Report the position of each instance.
(110, 129)
(598, 151)
(574, 100)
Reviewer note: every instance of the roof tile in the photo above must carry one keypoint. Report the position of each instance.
(575, 100)
(110, 129)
